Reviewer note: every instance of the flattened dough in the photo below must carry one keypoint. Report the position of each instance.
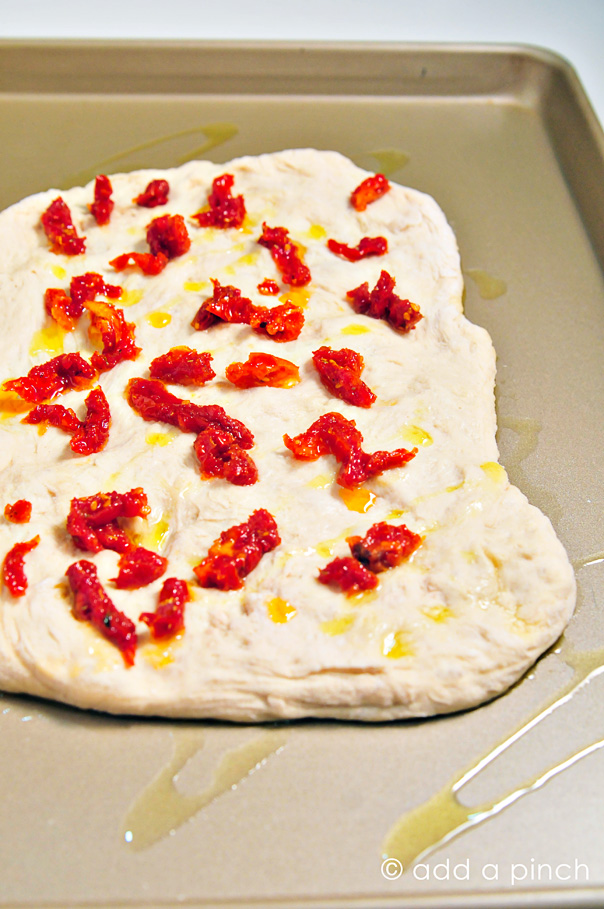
(487, 592)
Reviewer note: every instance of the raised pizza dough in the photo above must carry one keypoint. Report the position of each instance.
(487, 592)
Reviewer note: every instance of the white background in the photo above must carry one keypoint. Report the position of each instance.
(573, 28)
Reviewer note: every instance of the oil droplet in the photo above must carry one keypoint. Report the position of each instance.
(130, 297)
(396, 513)
(415, 435)
(156, 536)
(248, 259)
(299, 296)
(390, 160)
(453, 488)
(159, 438)
(280, 611)
(360, 500)
(49, 339)
(11, 404)
(159, 319)
(161, 808)
(396, 645)
(58, 271)
(364, 596)
(161, 654)
(321, 481)
(316, 232)
(337, 626)
(488, 286)
(195, 286)
(494, 471)
(326, 547)
(438, 613)
(355, 329)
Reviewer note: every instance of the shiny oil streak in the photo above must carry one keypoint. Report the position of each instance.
(430, 825)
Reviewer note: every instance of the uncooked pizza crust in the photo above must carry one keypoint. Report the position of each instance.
(489, 589)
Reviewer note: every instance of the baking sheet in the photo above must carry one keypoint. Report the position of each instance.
(109, 811)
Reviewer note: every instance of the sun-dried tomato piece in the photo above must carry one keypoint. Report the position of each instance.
(384, 546)
(103, 204)
(61, 308)
(19, 512)
(56, 376)
(368, 191)
(219, 455)
(92, 521)
(263, 369)
(268, 288)
(168, 235)
(152, 401)
(280, 323)
(333, 434)
(340, 372)
(182, 366)
(59, 228)
(107, 324)
(168, 620)
(347, 575)
(383, 303)
(93, 434)
(285, 255)
(66, 309)
(225, 210)
(13, 567)
(138, 568)
(237, 551)
(89, 436)
(155, 193)
(146, 262)
(368, 246)
(91, 604)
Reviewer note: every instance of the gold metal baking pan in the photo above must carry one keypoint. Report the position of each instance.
(499, 806)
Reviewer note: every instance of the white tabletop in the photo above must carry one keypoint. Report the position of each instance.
(572, 28)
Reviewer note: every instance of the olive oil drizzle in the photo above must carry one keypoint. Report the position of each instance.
(161, 809)
(424, 829)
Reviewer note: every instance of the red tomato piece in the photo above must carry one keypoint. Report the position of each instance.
(384, 546)
(91, 604)
(285, 255)
(225, 210)
(368, 191)
(340, 372)
(153, 402)
(168, 620)
(13, 567)
(281, 323)
(89, 436)
(155, 193)
(59, 228)
(56, 376)
(103, 204)
(168, 235)
(62, 308)
(84, 288)
(138, 568)
(368, 246)
(237, 551)
(268, 287)
(92, 521)
(219, 455)
(107, 324)
(146, 262)
(19, 512)
(334, 434)
(182, 366)
(347, 575)
(263, 369)
(383, 303)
